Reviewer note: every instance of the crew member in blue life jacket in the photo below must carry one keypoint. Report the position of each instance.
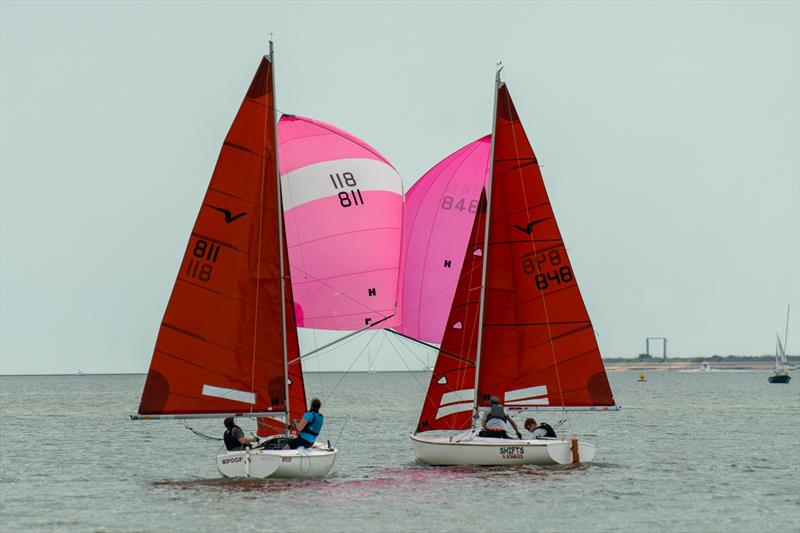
(494, 421)
(540, 430)
(234, 436)
(308, 427)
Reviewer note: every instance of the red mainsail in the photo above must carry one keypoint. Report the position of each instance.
(220, 344)
(538, 347)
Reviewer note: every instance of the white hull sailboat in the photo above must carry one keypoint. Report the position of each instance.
(301, 463)
(468, 449)
(227, 345)
(517, 326)
(263, 463)
(781, 372)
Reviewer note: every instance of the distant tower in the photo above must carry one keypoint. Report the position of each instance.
(664, 345)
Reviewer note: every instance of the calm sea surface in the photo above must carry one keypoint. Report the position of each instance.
(706, 451)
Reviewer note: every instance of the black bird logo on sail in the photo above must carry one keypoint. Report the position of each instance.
(529, 228)
(229, 217)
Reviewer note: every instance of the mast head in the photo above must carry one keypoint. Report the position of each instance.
(499, 68)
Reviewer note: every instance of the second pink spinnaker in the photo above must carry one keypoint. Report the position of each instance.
(437, 219)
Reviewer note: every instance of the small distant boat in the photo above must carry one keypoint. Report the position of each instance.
(642, 378)
(705, 366)
(781, 372)
(81, 373)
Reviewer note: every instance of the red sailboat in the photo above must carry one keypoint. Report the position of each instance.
(518, 328)
(227, 345)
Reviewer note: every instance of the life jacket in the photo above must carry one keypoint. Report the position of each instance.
(230, 442)
(310, 432)
(496, 411)
(545, 426)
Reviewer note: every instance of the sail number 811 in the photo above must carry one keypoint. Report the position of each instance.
(347, 198)
(204, 253)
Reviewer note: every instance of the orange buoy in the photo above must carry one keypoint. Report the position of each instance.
(576, 454)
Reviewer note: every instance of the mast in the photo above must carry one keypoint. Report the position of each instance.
(485, 251)
(280, 238)
(785, 358)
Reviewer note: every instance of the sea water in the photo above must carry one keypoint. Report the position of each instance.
(706, 451)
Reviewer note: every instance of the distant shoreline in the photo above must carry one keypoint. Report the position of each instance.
(611, 365)
(667, 366)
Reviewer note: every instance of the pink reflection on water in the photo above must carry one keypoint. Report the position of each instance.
(375, 481)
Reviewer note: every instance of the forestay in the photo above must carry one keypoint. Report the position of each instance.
(343, 205)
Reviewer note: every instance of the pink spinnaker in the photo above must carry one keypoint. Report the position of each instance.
(437, 220)
(343, 211)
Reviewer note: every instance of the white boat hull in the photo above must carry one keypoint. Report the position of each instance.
(301, 463)
(471, 450)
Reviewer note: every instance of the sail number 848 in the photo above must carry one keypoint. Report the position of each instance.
(562, 275)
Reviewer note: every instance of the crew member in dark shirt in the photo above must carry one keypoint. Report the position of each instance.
(234, 436)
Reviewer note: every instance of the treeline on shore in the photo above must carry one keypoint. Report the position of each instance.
(714, 358)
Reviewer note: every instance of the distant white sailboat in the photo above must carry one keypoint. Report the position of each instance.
(705, 366)
(781, 372)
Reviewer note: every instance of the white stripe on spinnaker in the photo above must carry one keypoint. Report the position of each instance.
(314, 182)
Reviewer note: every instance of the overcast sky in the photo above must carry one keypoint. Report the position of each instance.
(669, 135)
